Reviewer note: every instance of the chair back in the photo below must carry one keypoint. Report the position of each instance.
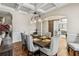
(23, 37)
(48, 34)
(71, 37)
(54, 44)
(30, 45)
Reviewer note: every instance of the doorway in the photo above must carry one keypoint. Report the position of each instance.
(50, 26)
(53, 26)
(5, 33)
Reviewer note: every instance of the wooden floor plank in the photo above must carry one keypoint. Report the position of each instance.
(18, 51)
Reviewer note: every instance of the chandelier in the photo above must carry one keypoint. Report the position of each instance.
(36, 17)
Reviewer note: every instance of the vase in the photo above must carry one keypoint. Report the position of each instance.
(6, 40)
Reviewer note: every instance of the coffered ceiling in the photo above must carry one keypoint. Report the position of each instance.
(31, 7)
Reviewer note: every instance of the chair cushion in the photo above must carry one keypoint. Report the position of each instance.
(35, 48)
(74, 46)
(47, 51)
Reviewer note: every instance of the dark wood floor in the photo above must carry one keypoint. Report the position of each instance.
(18, 51)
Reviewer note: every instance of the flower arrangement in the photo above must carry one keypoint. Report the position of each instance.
(4, 28)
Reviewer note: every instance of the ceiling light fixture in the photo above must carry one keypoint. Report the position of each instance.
(36, 17)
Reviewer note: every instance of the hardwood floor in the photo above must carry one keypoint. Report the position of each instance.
(63, 47)
(18, 51)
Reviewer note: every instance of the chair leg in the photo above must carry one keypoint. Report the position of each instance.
(55, 54)
(43, 54)
(68, 48)
(39, 52)
(76, 53)
(28, 53)
(23, 47)
(72, 53)
(33, 54)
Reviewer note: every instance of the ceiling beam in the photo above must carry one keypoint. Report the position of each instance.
(19, 5)
(40, 10)
(42, 5)
(28, 6)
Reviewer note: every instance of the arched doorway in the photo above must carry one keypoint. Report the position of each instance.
(5, 27)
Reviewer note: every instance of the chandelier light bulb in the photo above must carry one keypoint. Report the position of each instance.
(39, 20)
(34, 21)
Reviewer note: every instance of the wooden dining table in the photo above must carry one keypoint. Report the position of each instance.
(42, 41)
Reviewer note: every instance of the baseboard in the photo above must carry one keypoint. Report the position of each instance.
(16, 42)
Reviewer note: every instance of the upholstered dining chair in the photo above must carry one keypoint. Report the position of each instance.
(71, 38)
(30, 46)
(73, 44)
(23, 37)
(53, 49)
(74, 48)
(48, 34)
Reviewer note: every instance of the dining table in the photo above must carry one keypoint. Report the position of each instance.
(42, 41)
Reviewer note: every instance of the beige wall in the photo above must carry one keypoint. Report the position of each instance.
(71, 11)
(21, 23)
(44, 27)
(38, 27)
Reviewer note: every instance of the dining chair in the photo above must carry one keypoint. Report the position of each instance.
(48, 34)
(73, 43)
(53, 49)
(23, 37)
(30, 46)
(74, 47)
(71, 38)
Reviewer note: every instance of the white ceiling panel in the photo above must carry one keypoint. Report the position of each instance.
(48, 6)
(37, 4)
(30, 7)
(25, 9)
(12, 5)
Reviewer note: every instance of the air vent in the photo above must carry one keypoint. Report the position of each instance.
(48, 6)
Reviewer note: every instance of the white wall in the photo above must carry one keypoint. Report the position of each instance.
(21, 23)
(71, 11)
(44, 27)
(38, 27)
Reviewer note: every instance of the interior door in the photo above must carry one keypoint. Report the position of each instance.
(51, 26)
